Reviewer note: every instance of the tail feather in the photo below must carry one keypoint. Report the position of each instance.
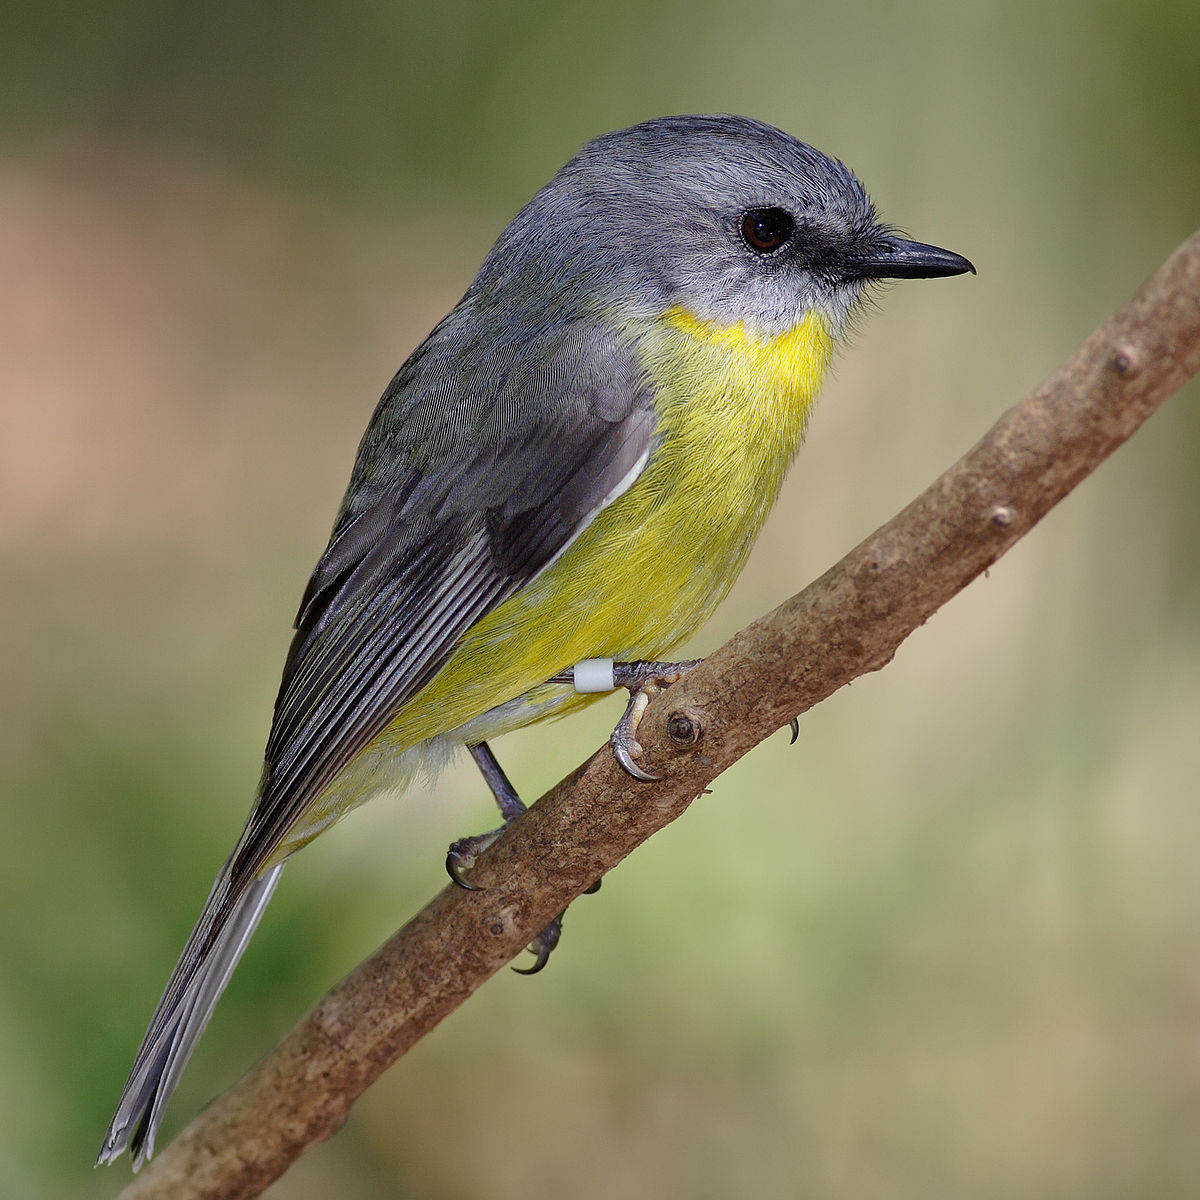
(208, 959)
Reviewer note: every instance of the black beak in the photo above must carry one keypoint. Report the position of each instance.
(895, 258)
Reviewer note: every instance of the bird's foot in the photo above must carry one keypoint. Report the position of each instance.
(644, 680)
(543, 945)
(461, 858)
(463, 854)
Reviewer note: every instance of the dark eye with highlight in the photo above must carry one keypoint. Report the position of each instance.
(766, 229)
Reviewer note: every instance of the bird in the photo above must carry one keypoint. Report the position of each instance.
(556, 489)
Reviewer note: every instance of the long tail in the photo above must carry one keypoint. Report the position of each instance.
(191, 994)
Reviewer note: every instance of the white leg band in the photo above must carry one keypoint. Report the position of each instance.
(594, 675)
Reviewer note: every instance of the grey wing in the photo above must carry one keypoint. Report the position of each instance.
(467, 484)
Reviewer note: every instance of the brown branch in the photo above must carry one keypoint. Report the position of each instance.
(848, 622)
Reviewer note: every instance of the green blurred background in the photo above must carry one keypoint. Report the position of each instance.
(945, 946)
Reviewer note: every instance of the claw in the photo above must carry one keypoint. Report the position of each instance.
(795, 728)
(462, 854)
(455, 866)
(624, 737)
(623, 752)
(543, 946)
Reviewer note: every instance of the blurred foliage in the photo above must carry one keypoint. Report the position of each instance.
(944, 946)
(1157, 48)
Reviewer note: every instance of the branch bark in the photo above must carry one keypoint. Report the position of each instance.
(848, 622)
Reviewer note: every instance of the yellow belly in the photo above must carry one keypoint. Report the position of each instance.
(648, 570)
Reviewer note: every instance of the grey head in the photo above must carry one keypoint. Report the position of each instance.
(726, 217)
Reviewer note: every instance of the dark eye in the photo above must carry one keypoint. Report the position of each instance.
(766, 229)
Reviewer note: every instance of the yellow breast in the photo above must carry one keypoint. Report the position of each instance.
(653, 565)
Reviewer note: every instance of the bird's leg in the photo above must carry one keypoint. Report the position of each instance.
(511, 805)
(463, 853)
(644, 679)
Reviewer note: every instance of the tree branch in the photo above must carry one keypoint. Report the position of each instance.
(848, 622)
